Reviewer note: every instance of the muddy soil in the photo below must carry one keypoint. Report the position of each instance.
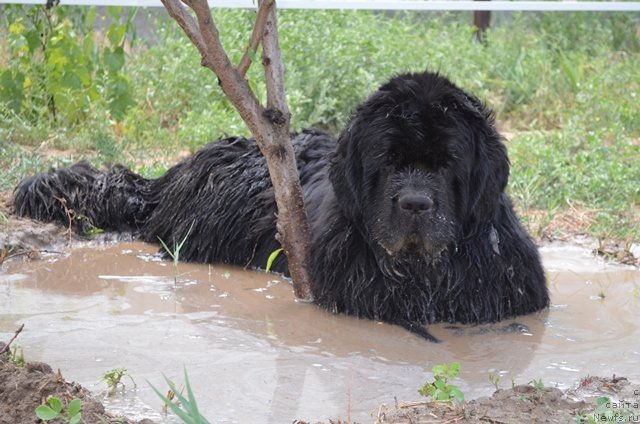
(529, 404)
(25, 386)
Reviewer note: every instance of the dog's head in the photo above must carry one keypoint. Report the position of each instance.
(419, 165)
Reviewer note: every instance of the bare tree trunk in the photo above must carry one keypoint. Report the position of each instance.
(481, 21)
(269, 125)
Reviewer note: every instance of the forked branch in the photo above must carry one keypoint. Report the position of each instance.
(269, 126)
(256, 36)
(187, 23)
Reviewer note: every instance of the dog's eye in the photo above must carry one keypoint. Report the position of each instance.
(418, 166)
(392, 158)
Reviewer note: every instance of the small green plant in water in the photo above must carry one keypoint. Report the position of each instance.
(53, 410)
(602, 293)
(439, 389)
(272, 258)
(175, 253)
(16, 356)
(538, 385)
(185, 408)
(495, 380)
(88, 229)
(113, 378)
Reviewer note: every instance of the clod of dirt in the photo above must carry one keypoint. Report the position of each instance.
(20, 236)
(524, 404)
(618, 251)
(28, 238)
(24, 388)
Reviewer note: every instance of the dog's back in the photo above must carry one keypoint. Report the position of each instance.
(220, 199)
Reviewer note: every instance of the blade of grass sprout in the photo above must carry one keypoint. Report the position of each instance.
(193, 406)
(166, 248)
(174, 408)
(272, 258)
(184, 239)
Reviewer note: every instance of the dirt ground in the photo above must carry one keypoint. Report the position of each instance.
(26, 386)
(529, 404)
(23, 388)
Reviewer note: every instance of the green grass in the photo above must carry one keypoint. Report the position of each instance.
(564, 85)
(591, 170)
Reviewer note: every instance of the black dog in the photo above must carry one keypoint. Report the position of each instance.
(410, 222)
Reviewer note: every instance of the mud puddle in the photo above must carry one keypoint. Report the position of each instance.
(255, 356)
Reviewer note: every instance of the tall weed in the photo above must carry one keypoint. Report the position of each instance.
(58, 70)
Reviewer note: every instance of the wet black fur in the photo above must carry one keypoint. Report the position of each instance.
(464, 258)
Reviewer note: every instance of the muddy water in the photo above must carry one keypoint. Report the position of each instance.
(256, 356)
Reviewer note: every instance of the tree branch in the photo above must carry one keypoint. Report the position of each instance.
(8, 345)
(256, 36)
(294, 229)
(273, 66)
(215, 58)
(186, 22)
(269, 126)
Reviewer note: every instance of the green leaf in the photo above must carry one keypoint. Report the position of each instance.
(133, 11)
(442, 396)
(116, 35)
(166, 248)
(193, 406)
(454, 369)
(12, 89)
(90, 17)
(272, 258)
(54, 403)
(439, 369)
(75, 419)
(427, 390)
(85, 77)
(114, 12)
(70, 80)
(45, 413)
(73, 408)
(174, 408)
(114, 59)
(87, 47)
(33, 40)
(181, 399)
(457, 394)
(120, 99)
(185, 239)
(57, 58)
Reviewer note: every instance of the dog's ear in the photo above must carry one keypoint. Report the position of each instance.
(346, 170)
(485, 171)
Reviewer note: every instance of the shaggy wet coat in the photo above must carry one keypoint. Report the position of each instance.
(410, 222)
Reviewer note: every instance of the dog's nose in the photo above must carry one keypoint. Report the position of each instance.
(415, 202)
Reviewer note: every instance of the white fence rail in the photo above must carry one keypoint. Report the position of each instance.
(524, 5)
